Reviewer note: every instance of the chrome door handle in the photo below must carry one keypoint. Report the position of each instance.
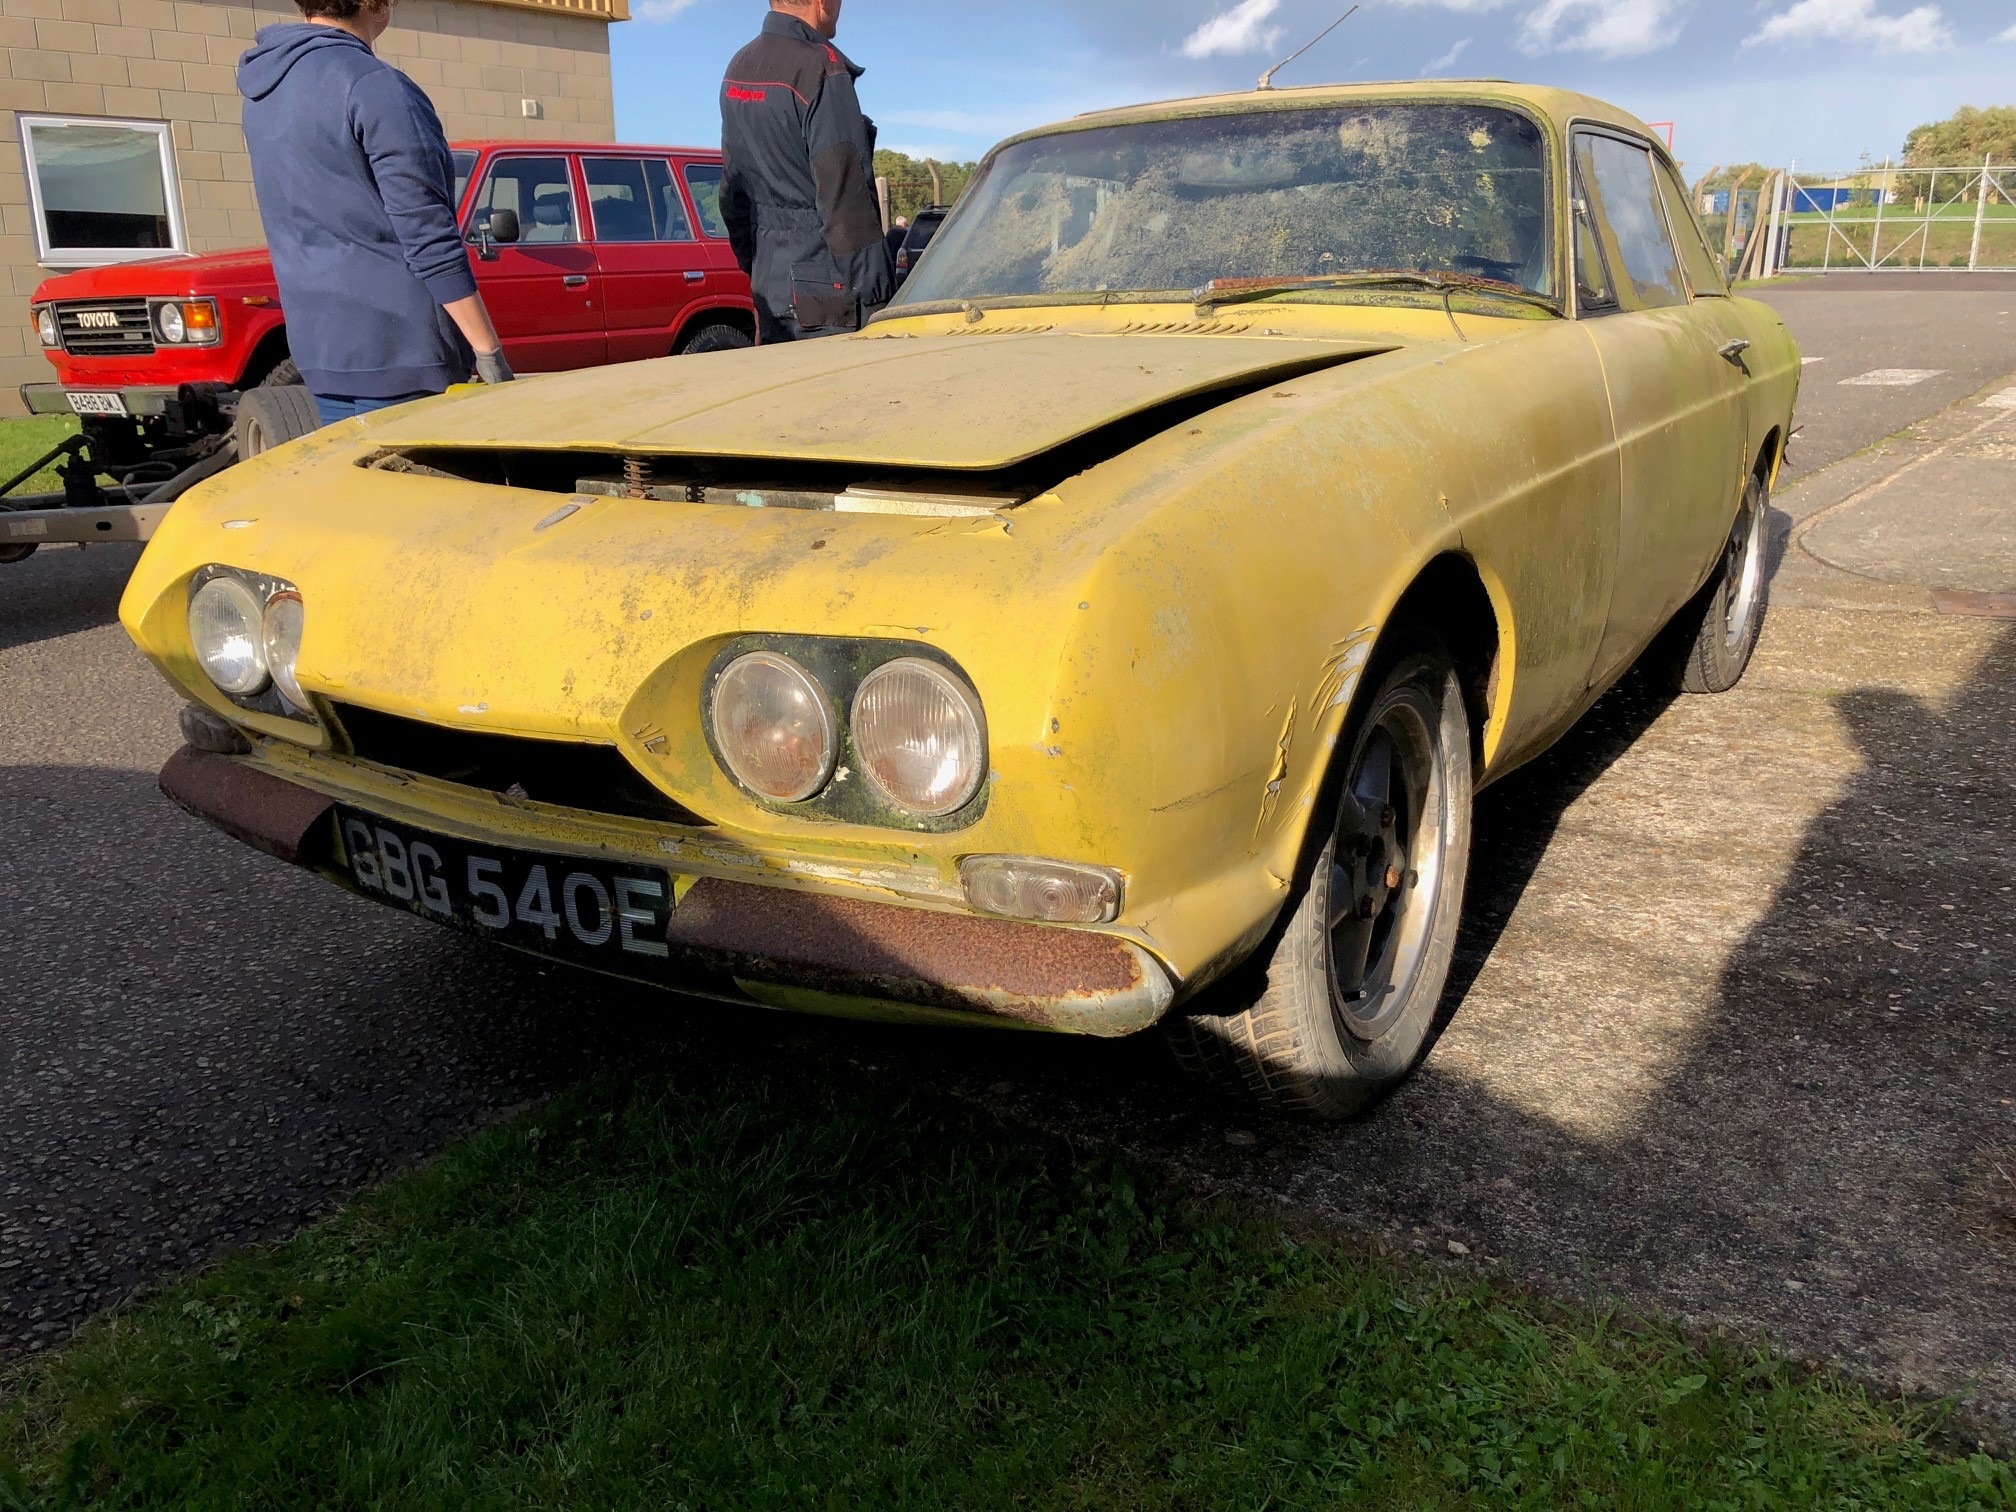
(580, 281)
(1733, 353)
(692, 277)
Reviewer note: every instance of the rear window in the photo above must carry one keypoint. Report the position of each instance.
(704, 179)
(635, 200)
(921, 233)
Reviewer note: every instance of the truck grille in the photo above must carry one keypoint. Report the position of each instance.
(105, 328)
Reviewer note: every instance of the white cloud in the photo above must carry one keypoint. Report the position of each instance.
(2008, 36)
(1608, 28)
(1923, 30)
(1448, 59)
(1242, 29)
(662, 10)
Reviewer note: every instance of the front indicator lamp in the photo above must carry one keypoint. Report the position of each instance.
(774, 727)
(226, 631)
(1048, 892)
(186, 322)
(918, 731)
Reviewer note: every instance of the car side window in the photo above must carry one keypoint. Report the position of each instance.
(704, 179)
(635, 200)
(539, 191)
(1703, 272)
(1594, 293)
(1627, 197)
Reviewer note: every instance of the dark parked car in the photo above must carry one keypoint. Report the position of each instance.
(922, 229)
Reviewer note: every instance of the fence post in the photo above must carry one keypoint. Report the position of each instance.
(882, 200)
(1876, 237)
(1980, 212)
(1768, 268)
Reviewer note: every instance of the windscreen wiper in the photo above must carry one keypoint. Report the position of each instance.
(1230, 291)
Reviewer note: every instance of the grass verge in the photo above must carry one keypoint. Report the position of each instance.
(23, 440)
(719, 1288)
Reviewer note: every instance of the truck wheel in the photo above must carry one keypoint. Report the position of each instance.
(1354, 982)
(270, 417)
(284, 375)
(715, 338)
(9, 555)
(1706, 648)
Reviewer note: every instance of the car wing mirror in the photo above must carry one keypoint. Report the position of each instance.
(499, 227)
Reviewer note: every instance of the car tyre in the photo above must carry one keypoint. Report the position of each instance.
(715, 338)
(284, 374)
(1707, 646)
(1351, 989)
(270, 417)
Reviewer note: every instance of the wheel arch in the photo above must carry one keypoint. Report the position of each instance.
(1771, 456)
(731, 315)
(1453, 596)
(268, 353)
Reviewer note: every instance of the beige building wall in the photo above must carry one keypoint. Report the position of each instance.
(494, 68)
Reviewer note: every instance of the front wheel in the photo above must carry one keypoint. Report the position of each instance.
(1353, 984)
(270, 417)
(1707, 646)
(719, 337)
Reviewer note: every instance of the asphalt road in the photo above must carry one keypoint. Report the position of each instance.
(1749, 1123)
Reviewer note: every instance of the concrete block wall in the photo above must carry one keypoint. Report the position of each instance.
(176, 60)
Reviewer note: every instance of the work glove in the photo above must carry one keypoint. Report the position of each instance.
(492, 368)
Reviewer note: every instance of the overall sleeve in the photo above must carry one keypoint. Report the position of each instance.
(835, 131)
(738, 211)
(408, 153)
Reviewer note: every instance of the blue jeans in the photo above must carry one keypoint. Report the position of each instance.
(335, 407)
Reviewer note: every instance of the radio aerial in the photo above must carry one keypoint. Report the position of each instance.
(1267, 78)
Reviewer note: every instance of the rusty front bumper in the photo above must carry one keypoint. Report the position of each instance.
(779, 946)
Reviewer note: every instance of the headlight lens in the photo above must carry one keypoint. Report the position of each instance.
(774, 727)
(168, 321)
(917, 728)
(225, 628)
(1051, 892)
(45, 327)
(281, 636)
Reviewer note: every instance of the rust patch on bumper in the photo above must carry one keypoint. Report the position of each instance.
(1052, 978)
(262, 810)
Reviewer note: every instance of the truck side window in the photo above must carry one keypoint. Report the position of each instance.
(538, 191)
(704, 179)
(635, 200)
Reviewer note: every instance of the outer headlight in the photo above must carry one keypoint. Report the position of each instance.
(280, 636)
(45, 327)
(917, 728)
(169, 324)
(774, 727)
(225, 628)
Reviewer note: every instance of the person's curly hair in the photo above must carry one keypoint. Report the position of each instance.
(340, 10)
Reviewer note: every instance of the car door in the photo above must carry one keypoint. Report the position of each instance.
(543, 291)
(703, 186)
(651, 261)
(1677, 401)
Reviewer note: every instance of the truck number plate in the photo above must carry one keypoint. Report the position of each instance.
(590, 912)
(96, 404)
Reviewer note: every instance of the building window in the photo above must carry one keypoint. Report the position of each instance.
(101, 191)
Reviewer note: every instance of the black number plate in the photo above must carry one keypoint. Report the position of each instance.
(591, 912)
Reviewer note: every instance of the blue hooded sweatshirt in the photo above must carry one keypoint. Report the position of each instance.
(356, 186)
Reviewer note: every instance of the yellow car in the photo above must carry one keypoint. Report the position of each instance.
(1112, 633)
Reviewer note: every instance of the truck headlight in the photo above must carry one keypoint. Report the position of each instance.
(774, 728)
(227, 631)
(918, 731)
(186, 322)
(45, 327)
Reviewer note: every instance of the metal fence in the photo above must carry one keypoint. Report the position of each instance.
(1892, 218)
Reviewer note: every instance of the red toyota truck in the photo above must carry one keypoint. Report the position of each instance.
(585, 254)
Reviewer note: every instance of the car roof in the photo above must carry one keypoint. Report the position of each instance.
(487, 143)
(1558, 105)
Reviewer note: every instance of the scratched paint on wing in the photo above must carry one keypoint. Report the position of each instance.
(1277, 778)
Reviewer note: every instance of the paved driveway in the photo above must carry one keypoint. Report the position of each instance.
(1732, 1037)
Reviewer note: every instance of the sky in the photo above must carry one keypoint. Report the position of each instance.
(1816, 83)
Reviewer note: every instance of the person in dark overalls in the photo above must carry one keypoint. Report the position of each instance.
(798, 193)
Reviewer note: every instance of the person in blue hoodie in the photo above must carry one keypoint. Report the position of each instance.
(356, 187)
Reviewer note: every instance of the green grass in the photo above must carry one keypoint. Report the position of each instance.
(23, 440)
(717, 1288)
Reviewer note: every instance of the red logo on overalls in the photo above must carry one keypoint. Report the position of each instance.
(753, 96)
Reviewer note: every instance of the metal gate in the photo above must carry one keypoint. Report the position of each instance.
(1893, 218)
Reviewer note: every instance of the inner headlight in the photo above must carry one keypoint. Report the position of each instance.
(226, 630)
(280, 636)
(45, 327)
(774, 727)
(917, 728)
(168, 321)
